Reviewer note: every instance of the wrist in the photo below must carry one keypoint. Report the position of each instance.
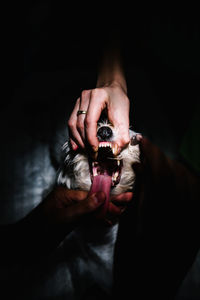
(113, 84)
(119, 84)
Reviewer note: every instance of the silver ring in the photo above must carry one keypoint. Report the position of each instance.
(80, 112)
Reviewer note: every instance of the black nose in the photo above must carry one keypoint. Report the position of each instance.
(104, 133)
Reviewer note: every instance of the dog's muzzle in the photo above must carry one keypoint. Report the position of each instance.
(104, 133)
(106, 169)
(107, 162)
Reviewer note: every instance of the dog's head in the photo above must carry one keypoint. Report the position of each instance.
(79, 169)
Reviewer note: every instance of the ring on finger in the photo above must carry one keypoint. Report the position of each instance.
(81, 112)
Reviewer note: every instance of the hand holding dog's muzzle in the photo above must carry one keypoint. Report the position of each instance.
(87, 111)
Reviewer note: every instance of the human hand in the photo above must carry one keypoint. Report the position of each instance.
(117, 205)
(45, 227)
(64, 206)
(42, 230)
(83, 128)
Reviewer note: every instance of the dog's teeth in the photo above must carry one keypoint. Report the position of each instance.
(95, 173)
(115, 175)
(115, 149)
(118, 163)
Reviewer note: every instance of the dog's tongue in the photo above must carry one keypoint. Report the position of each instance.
(102, 183)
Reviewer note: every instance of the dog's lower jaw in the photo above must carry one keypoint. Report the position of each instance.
(75, 172)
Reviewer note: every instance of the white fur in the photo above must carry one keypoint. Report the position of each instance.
(93, 245)
(75, 173)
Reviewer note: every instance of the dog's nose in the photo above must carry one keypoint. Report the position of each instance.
(104, 133)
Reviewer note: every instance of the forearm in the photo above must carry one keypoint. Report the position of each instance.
(111, 67)
(29, 239)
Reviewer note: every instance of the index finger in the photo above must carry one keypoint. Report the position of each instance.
(97, 103)
(122, 198)
(67, 196)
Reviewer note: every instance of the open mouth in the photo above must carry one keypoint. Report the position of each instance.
(107, 162)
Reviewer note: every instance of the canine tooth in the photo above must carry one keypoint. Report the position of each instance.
(115, 149)
(118, 163)
(95, 173)
(114, 177)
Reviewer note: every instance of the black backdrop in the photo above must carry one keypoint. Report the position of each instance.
(50, 53)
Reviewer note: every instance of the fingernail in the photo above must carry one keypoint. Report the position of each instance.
(95, 149)
(74, 146)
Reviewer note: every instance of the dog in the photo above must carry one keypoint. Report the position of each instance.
(78, 170)
(92, 247)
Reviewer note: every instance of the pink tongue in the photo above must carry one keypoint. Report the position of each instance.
(102, 183)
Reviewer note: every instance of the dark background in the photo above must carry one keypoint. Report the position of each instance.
(50, 53)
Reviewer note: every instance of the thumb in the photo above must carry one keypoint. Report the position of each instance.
(84, 207)
(91, 203)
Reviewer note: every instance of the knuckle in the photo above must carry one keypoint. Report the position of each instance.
(71, 123)
(85, 93)
(87, 122)
(126, 140)
(99, 93)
